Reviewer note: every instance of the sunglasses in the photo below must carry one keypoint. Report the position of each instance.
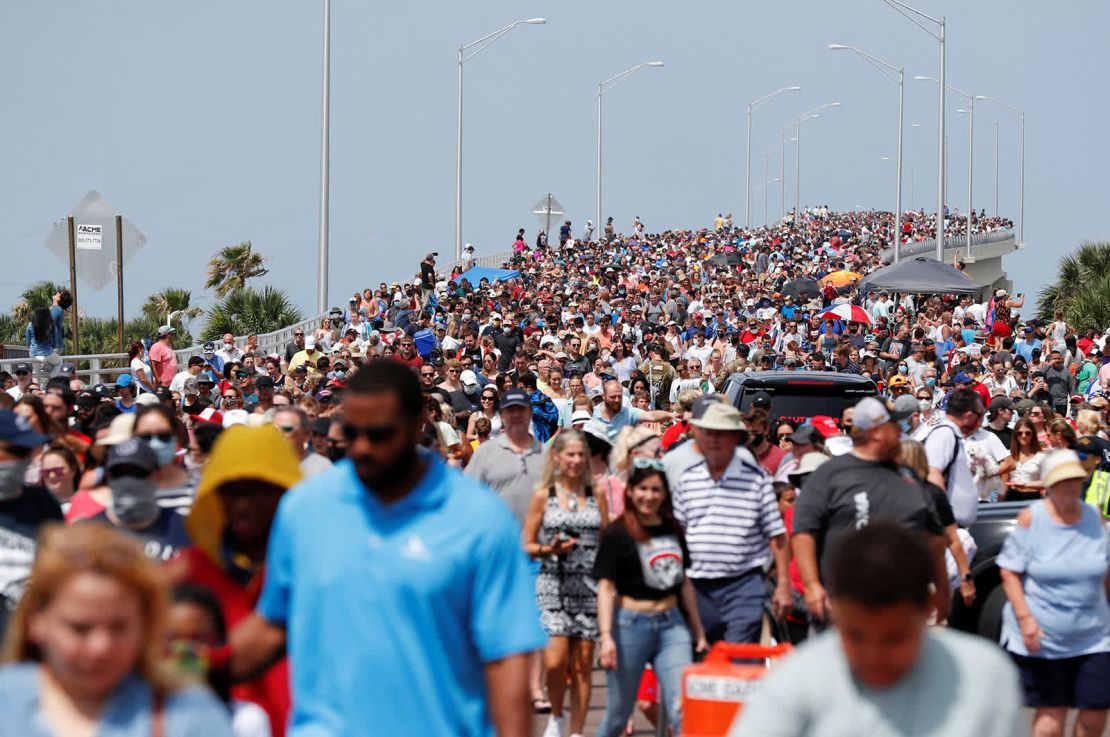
(487, 398)
(642, 463)
(54, 473)
(242, 374)
(165, 437)
(286, 429)
(230, 398)
(373, 434)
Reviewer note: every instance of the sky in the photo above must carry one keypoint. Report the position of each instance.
(200, 122)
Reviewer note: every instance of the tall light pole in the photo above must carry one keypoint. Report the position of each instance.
(996, 168)
(602, 88)
(814, 113)
(464, 57)
(970, 112)
(748, 155)
(781, 146)
(889, 70)
(1021, 205)
(916, 17)
(325, 156)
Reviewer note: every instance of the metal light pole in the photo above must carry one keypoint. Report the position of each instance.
(971, 145)
(888, 69)
(916, 17)
(325, 156)
(602, 88)
(464, 57)
(782, 173)
(748, 155)
(1021, 204)
(814, 113)
(996, 168)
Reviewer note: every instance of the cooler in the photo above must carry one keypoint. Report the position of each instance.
(714, 690)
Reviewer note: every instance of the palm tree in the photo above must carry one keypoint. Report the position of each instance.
(232, 266)
(245, 311)
(1083, 268)
(39, 294)
(160, 304)
(12, 331)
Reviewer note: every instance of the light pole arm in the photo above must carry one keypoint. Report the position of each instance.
(906, 10)
(615, 80)
(767, 98)
(484, 42)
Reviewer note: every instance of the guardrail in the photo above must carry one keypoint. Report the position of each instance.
(96, 368)
(493, 260)
(951, 243)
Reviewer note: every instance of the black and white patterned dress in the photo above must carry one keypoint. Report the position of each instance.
(565, 590)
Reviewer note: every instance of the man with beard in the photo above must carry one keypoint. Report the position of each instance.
(858, 488)
(430, 561)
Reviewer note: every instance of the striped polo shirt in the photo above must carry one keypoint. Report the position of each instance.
(728, 522)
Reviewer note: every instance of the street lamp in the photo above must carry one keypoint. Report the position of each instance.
(748, 155)
(814, 113)
(781, 146)
(602, 88)
(916, 18)
(970, 112)
(464, 57)
(888, 70)
(1021, 204)
(325, 158)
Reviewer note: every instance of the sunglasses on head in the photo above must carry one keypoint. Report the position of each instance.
(642, 463)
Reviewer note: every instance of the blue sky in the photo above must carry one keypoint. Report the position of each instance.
(200, 122)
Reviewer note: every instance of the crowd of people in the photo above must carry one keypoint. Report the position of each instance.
(437, 510)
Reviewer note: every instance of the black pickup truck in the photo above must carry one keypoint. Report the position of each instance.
(984, 616)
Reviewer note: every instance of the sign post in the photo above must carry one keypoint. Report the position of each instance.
(73, 280)
(119, 279)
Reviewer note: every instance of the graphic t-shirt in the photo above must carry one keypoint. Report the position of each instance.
(20, 519)
(651, 570)
(162, 539)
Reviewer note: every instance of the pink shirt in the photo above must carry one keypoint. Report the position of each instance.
(167, 359)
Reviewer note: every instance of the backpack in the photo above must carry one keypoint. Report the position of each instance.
(955, 452)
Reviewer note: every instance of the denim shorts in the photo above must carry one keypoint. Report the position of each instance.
(1082, 682)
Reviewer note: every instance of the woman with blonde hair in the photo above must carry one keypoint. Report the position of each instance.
(562, 531)
(633, 441)
(1061, 435)
(1089, 423)
(85, 647)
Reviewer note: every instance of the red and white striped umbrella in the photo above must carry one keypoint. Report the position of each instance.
(851, 313)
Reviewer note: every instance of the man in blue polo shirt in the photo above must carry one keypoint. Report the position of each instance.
(616, 415)
(399, 586)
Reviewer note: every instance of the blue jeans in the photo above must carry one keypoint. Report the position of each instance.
(661, 639)
(732, 608)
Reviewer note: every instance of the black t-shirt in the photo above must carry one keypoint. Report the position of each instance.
(427, 274)
(650, 571)
(944, 507)
(850, 492)
(20, 519)
(162, 539)
(1006, 434)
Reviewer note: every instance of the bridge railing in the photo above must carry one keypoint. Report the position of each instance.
(951, 243)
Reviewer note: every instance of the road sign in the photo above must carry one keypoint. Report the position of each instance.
(89, 237)
(96, 265)
(547, 210)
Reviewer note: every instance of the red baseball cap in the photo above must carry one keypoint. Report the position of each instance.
(825, 425)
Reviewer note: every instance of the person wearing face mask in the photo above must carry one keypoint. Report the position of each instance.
(247, 474)
(23, 509)
(130, 474)
(159, 428)
(768, 454)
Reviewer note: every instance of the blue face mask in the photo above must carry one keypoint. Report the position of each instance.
(930, 382)
(904, 424)
(902, 369)
(164, 450)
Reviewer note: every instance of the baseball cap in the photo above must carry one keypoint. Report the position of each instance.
(579, 417)
(1092, 444)
(1061, 465)
(597, 428)
(962, 378)
(825, 425)
(468, 378)
(134, 452)
(595, 393)
(67, 369)
(805, 435)
(761, 400)
(998, 403)
(209, 347)
(120, 429)
(189, 386)
(17, 431)
(146, 399)
(235, 417)
(1100, 403)
(263, 382)
(310, 342)
(897, 380)
(166, 330)
(124, 380)
(163, 394)
(871, 413)
(22, 367)
(515, 398)
(906, 403)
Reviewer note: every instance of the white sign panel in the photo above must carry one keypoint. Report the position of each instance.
(89, 237)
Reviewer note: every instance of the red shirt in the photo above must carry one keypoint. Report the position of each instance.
(165, 356)
(416, 361)
(271, 689)
(771, 458)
